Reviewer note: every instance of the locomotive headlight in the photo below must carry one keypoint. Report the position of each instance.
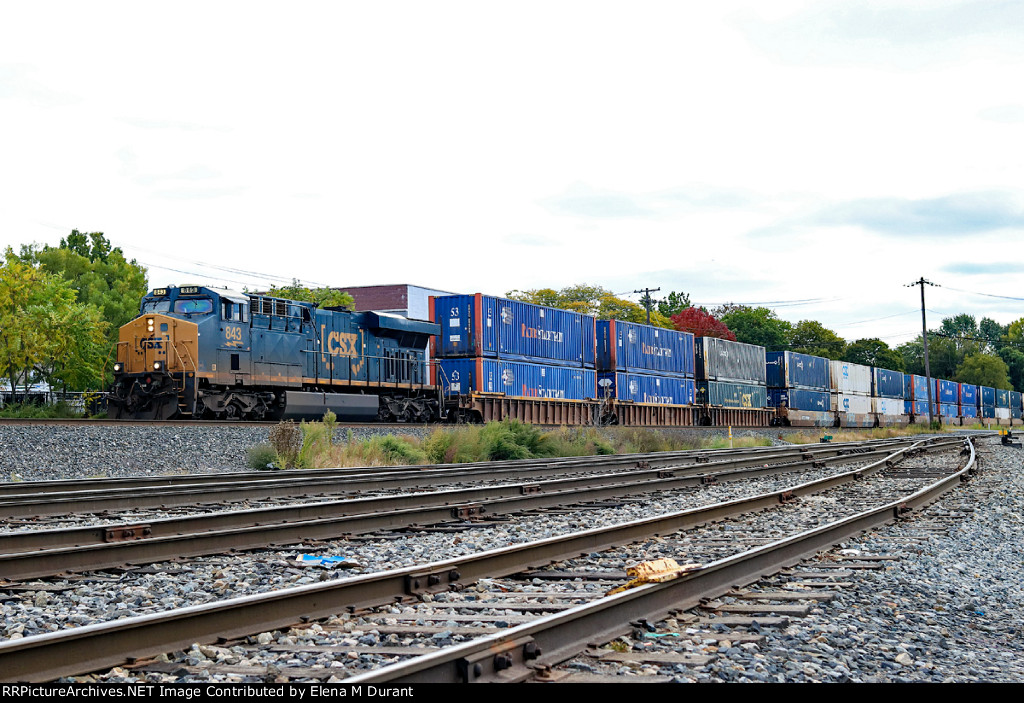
(118, 367)
(157, 365)
(149, 324)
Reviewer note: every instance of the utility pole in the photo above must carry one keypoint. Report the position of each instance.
(647, 301)
(924, 336)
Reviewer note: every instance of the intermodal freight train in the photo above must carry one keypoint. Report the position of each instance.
(199, 352)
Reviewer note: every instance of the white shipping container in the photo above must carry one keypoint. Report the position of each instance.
(850, 378)
(888, 406)
(1002, 413)
(851, 403)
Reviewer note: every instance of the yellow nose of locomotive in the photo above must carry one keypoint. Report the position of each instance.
(157, 343)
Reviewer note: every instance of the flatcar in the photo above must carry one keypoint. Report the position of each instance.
(198, 352)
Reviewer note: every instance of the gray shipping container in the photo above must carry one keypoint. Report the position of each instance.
(722, 360)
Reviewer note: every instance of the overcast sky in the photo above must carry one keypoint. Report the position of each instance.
(819, 154)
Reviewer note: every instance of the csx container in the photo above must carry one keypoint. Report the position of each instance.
(723, 360)
(849, 378)
(945, 391)
(519, 379)
(969, 395)
(497, 328)
(785, 369)
(731, 395)
(625, 346)
(799, 399)
(886, 383)
(645, 388)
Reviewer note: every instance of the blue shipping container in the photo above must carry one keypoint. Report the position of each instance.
(625, 346)
(731, 395)
(1014, 400)
(915, 387)
(644, 388)
(886, 383)
(946, 391)
(988, 398)
(518, 379)
(949, 410)
(800, 399)
(785, 369)
(498, 328)
(1002, 398)
(969, 411)
(988, 411)
(969, 395)
(916, 407)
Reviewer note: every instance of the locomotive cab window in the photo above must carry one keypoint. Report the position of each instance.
(193, 306)
(156, 306)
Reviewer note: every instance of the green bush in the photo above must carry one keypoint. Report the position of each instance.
(398, 450)
(262, 457)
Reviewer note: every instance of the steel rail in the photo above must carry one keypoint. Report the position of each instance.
(92, 647)
(310, 484)
(26, 489)
(38, 553)
(528, 651)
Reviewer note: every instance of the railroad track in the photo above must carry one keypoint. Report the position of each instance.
(525, 649)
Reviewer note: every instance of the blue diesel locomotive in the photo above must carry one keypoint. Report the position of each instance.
(197, 352)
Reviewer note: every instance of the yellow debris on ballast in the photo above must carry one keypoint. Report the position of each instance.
(655, 571)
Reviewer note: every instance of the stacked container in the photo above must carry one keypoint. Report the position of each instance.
(496, 345)
(645, 364)
(987, 402)
(887, 396)
(915, 395)
(730, 374)
(946, 396)
(1015, 409)
(851, 393)
(1002, 406)
(798, 387)
(969, 403)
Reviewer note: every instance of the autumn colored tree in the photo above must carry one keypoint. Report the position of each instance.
(701, 323)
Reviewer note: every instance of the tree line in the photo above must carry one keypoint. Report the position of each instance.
(961, 349)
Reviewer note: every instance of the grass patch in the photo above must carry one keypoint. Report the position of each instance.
(30, 411)
(312, 445)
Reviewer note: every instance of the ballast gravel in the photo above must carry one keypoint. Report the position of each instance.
(948, 610)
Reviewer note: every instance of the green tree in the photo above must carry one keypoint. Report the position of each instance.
(591, 300)
(674, 304)
(983, 370)
(43, 332)
(1013, 357)
(991, 332)
(811, 337)
(324, 297)
(100, 275)
(874, 352)
(758, 326)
